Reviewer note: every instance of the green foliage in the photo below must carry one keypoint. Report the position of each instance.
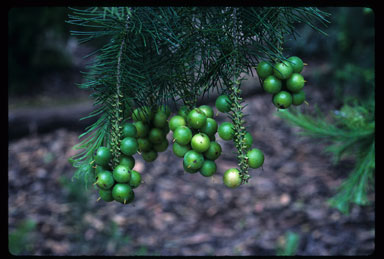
(20, 239)
(351, 133)
(288, 245)
(157, 55)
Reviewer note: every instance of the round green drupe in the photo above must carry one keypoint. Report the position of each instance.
(272, 84)
(231, 178)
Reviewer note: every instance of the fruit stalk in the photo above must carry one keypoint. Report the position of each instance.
(236, 115)
(236, 112)
(118, 117)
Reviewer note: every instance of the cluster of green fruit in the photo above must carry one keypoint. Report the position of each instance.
(255, 157)
(194, 139)
(116, 184)
(283, 81)
(146, 136)
(151, 131)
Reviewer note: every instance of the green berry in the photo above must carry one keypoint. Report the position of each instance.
(210, 127)
(176, 121)
(208, 168)
(207, 110)
(121, 174)
(200, 142)
(296, 63)
(122, 193)
(182, 135)
(196, 118)
(264, 69)
(231, 178)
(272, 85)
(223, 103)
(282, 99)
(129, 146)
(135, 180)
(103, 155)
(298, 98)
(295, 83)
(160, 119)
(193, 159)
(283, 70)
(129, 130)
(106, 195)
(104, 180)
(214, 151)
(128, 161)
(255, 158)
(226, 130)
(180, 150)
(156, 136)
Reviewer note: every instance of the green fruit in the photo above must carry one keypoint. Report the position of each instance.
(188, 169)
(144, 144)
(104, 180)
(129, 130)
(149, 156)
(165, 108)
(122, 193)
(226, 130)
(176, 121)
(183, 111)
(129, 146)
(264, 69)
(207, 110)
(121, 174)
(102, 156)
(272, 85)
(298, 98)
(296, 63)
(156, 135)
(200, 142)
(214, 151)
(135, 180)
(196, 118)
(223, 103)
(180, 150)
(160, 119)
(283, 70)
(182, 135)
(162, 146)
(142, 114)
(210, 127)
(255, 158)
(193, 160)
(142, 129)
(208, 168)
(295, 83)
(282, 99)
(106, 195)
(128, 161)
(248, 140)
(231, 178)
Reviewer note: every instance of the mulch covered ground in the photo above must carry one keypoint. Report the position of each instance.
(177, 213)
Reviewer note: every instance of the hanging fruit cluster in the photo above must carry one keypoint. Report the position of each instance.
(146, 135)
(194, 139)
(253, 158)
(283, 81)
